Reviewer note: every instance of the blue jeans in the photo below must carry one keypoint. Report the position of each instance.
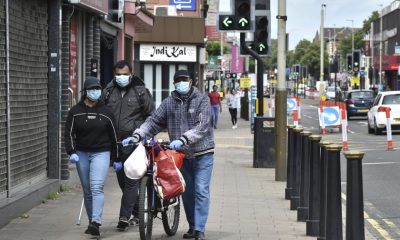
(196, 198)
(215, 112)
(92, 169)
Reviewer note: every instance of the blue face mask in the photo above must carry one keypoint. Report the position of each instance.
(122, 80)
(93, 94)
(182, 87)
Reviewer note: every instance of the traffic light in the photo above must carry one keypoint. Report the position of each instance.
(226, 22)
(242, 14)
(356, 61)
(261, 34)
(349, 63)
(116, 11)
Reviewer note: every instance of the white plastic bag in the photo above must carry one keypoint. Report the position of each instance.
(136, 165)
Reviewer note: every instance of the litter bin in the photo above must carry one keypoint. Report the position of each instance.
(264, 142)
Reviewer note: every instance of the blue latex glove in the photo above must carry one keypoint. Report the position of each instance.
(74, 158)
(134, 139)
(117, 166)
(176, 145)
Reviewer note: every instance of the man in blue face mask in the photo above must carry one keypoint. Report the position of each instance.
(131, 103)
(187, 116)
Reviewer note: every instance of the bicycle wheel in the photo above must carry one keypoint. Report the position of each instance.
(146, 208)
(170, 217)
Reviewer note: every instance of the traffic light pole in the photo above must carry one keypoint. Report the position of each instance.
(260, 73)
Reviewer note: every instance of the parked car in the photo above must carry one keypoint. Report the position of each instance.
(330, 93)
(377, 115)
(358, 102)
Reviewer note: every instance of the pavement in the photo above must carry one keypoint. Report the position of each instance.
(246, 202)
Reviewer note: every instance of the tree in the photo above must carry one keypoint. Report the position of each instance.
(213, 48)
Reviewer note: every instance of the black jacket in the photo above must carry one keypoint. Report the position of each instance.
(132, 109)
(90, 129)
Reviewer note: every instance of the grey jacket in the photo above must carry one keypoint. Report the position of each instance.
(187, 118)
(132, 109)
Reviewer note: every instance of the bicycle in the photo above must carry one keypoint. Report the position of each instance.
(150, 204)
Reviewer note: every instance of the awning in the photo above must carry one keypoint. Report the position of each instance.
(137, 20)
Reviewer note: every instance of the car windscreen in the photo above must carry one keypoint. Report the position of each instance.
(362, 94)
(391, 99)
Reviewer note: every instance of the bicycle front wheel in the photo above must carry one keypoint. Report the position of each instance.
(146, 208)
(170, 216)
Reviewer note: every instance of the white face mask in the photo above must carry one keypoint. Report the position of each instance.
(93, 94)
(122, 80)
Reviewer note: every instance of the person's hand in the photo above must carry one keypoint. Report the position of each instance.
(176, 145)
(134, 139)
(117, 166)
(74, 158)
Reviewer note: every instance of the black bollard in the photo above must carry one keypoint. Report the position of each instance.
(295, 196)
(312, 227)
(289, 166)
(302, 210)
(322, 189)
(355, 201)
(333, 218)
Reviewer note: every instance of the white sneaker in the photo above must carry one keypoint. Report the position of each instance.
(234, 126)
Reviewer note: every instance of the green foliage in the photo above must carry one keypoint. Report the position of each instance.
(52, 195)
(367, 23)
(214, 48)
(65, 188)
(24, 215)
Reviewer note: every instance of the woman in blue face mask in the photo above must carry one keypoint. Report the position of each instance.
(91, 142)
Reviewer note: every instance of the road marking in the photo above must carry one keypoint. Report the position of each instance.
(373, 223)
(380, 163)
(233, 146)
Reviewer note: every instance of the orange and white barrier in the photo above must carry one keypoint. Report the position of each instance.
(269, 109)
(295, 118)
(298, 109)
(388, 129)
(321, 110)
(344, 130)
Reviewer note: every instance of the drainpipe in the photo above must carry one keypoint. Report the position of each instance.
(8, 99)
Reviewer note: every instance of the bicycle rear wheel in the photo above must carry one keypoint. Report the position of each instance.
(170, 217)
(145, 208)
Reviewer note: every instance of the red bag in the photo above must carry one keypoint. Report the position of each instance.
(175, 155)
(167, 179)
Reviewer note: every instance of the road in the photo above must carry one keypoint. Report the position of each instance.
(381, 172)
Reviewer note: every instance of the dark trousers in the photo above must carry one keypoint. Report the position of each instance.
(129, 200)
(233, 112)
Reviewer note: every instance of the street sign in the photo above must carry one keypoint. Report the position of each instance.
(291, 104)
(184, 5)
(331, 116)
(245, 83)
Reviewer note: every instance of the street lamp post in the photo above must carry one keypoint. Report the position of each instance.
(321, 78)
(380, 51)
(352, 42)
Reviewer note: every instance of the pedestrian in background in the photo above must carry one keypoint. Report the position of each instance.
(233, 102)
(131, 103)
(186, 114)
(91, 141)
(215, 100)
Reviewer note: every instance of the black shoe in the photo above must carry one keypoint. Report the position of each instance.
(190, 234)
(123, 223)
(87, 231)
(199, 235)
(94, 229)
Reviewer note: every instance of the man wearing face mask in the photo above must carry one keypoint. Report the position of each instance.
(131, 103)
(90, 141)
(186, 114)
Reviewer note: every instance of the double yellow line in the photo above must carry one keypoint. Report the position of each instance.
(376, 225)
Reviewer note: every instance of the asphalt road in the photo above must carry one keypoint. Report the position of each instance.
(381, 172)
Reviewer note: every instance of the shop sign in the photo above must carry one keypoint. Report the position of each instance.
(168, 53)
